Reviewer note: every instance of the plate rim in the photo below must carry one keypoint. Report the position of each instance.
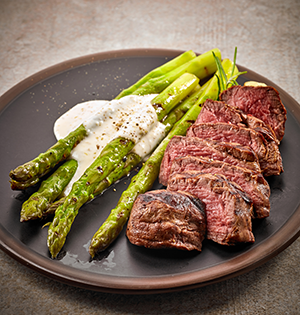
(241, 264)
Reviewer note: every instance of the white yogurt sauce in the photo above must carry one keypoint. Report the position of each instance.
(132, 117)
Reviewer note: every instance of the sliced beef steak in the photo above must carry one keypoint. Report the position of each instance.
(216, 111)
(262, 102)
(228, 212)
(253, 184)
(180, 146)
(165, 219)
(267, 152)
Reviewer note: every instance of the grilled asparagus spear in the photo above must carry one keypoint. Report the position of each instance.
(82, 189)
(124, 167)
(30, 173)
(49, 190)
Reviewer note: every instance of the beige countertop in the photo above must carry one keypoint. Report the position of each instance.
(35, 34)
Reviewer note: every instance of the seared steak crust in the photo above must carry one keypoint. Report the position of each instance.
(165, 219)
(231, 153)
(253, 184)
(228, 210)
(267, 152)
(262, 102)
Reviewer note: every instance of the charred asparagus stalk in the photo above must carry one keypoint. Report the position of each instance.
(49, 190)
(125, 166)
(109, 158)
(144, 180)
(82, 189)
(28, 174)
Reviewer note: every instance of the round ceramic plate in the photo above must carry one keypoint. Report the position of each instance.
(28, 112)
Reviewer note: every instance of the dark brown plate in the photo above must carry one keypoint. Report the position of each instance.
(28, 112)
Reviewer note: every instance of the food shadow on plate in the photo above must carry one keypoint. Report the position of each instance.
(276, 184)
(154, 260)
(224, 251)
(161, 253)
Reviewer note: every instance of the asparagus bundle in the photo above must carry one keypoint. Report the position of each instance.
(144, 180)
(29, 174)
(131, 160)
(109, 158)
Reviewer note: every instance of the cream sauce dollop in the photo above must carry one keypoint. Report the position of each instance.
(132, 117)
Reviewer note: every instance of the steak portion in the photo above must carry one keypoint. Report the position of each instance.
(253, 184)
(180, 146)
(262, 102)
(216, 111)
(228, 211)
(267, 152)
(165, 219)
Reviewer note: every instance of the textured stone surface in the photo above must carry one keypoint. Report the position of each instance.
(35, 34)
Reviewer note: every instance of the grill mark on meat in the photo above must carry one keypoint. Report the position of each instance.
(267, 152)
(253, 184)
(165, 219)
(228, 214)
(261, 102)
(180, 146)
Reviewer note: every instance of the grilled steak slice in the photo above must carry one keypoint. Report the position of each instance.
(165, 219)
(253, 184)
(267, 152)
(262, 102)
(180, 146)
(216, 111)
(228, 212)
